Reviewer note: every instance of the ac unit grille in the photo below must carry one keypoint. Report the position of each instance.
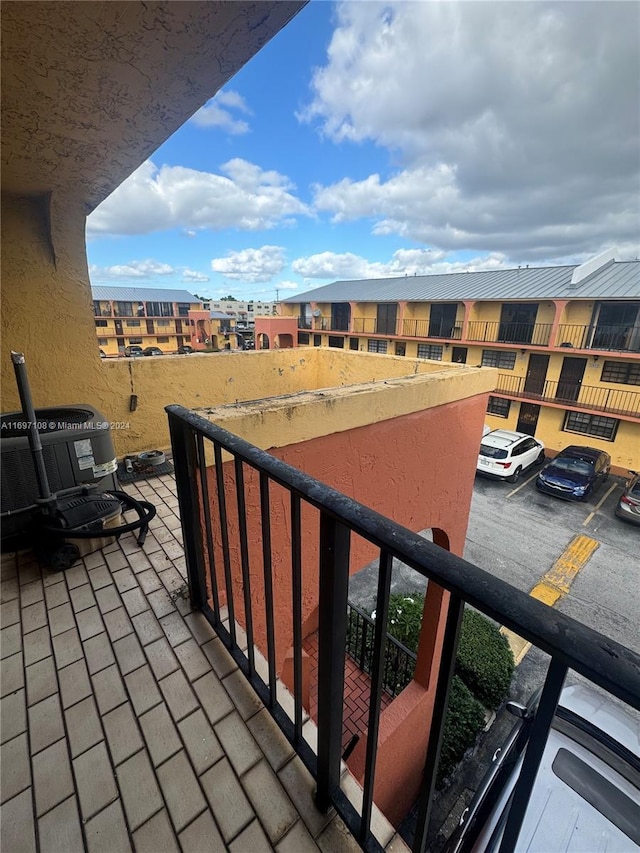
(19, 483)
(49, 420)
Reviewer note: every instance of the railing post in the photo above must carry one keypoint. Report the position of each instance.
(334, 576)
(185, 461)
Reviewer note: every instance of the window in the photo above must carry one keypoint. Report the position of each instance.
(123, 309)
(163, 322)
(442, 320)
(335, 341)
(101, 324)
(317, 340)
(433, 351)
(96, 308)
(103, 342)
(377, 346)
(183, 309)
(354, 344)
(401, 348)
(619, 371)
(340, 316)
(386, 320)
(303, 338)
(499, 406)
(132, 322)
(506, 360)
(163, 339)
(135, 340)
(596, 425)
(159, 309)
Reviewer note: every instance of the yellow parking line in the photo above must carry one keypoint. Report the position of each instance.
(598, 505)
(554, 584)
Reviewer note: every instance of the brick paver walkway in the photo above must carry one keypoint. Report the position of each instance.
(125, 723)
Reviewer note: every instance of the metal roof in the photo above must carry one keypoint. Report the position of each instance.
(143, 294)
(616, 280)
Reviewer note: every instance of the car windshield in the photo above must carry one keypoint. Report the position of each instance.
(492, 452)
(573, 466)
(635, 491)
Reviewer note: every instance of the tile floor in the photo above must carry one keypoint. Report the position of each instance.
(125, 724)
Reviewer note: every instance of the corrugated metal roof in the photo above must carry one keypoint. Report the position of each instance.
(142, 294)
(618, 280)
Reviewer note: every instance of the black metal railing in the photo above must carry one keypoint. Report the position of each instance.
(431, 329)
(533, 334)
(208, 542)
(399, 661)
(623, 338)
(614, 401)
(304, 322)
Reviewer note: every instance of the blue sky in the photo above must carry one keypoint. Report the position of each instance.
(369, 140)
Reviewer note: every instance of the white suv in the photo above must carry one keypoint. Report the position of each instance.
(506, 454)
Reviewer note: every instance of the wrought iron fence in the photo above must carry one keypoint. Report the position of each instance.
(571, 645)
(614, 401)
(399, 661)
(533, 334)
(622, 338)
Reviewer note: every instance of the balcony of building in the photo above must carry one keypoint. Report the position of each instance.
(594, 398)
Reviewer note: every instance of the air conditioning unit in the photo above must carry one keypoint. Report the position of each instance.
(77, 448)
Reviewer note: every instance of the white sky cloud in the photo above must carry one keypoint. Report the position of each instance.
(134, 269)
(158, 199)
(194, 275)
(214, 114)
(514, 126)
(251, 265)
(330, 265)
(287, 285)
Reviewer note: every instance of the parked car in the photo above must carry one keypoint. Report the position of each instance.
(505, 454)
(152, 351)
(185, 350)
(133, 351)
(628, 506)
(103, 354)
(586, 793)
(574, 473)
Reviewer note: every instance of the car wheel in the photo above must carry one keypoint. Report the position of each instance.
(541, 458)
(516, 475)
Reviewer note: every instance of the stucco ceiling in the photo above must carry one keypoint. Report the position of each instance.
(91, 89)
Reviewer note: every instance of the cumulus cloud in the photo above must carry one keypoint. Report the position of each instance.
(329, 265)
(513, 127)
(287, 285)
(214, 114)
(252, 265)
(194, 275)
(134, 269)
(156, 199)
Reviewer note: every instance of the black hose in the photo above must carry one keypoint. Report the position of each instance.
(145, 510)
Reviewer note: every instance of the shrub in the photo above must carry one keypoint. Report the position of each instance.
(484, 660)
(465, 718)
(405, 618)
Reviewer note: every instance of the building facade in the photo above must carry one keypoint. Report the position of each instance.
(126, 316)
(243, 312)
(566, 341)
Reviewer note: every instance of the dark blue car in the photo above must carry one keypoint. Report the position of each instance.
(574, 473)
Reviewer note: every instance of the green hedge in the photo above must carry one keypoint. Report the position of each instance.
(484, 660)
(464, 720)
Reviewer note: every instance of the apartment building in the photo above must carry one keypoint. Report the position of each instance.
(243, 312)
(142, 315)
(565, 339)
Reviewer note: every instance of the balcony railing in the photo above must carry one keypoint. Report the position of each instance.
(304, 322)
(570, 644)
(399, 661)
(431, 329)
(534, 334)
(620, 338)
(613, 401)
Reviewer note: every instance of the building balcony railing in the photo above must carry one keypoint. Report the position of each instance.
(618, 338)
(534, 334)
(304, 322)
(406, 328)
(568, 643)
(613, 401)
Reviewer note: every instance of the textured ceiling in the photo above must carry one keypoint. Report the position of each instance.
(91, 89)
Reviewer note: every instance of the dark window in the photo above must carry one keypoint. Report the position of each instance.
(103, 342)
(619, 371)
(377, 346)
(433, 351)
(135, 340)
(336, 341)
(132, 322)
(159, 309)
(101, 324)
(96, 308)
(163, 322)
(401, 348)
(596, 425)
(340, 316)
(459, 355)
(517, 322)
(499, 406)
(303, 338)
(386, 320)
(317, 340)
(354, 343)
(616, 326)
(498, 358)
(183, 309)
(442, 320)
(163, 340)
(124, 309)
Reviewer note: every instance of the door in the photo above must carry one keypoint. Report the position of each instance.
(570, 379)
(442, 319)
(340, 316)
(386, 319)
(118, 325)
(517, 323)
(536, 374)
(150, 329)
(459, 355)
(528, 418)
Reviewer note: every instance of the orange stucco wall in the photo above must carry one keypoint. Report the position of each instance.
(281, 332)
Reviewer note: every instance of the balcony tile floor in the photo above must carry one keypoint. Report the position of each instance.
(124, 722)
